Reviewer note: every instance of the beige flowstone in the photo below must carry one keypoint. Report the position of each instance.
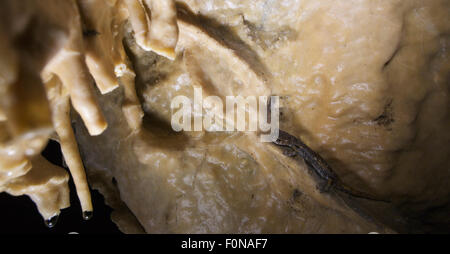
(364, 83)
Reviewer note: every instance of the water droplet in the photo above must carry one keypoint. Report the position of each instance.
(52, 221)
(87, 215)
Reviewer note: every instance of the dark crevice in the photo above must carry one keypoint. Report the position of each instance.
(90, 33)
(388, 62)
(225, 36)
(387, 117)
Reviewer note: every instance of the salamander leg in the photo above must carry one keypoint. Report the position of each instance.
(325, 186)
(289, 152)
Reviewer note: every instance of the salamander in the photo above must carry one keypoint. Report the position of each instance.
(294, 146)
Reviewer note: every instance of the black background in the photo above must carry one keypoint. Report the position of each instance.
(20, 215)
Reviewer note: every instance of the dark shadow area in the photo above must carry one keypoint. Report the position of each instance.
(20, 215)
(225, 36)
